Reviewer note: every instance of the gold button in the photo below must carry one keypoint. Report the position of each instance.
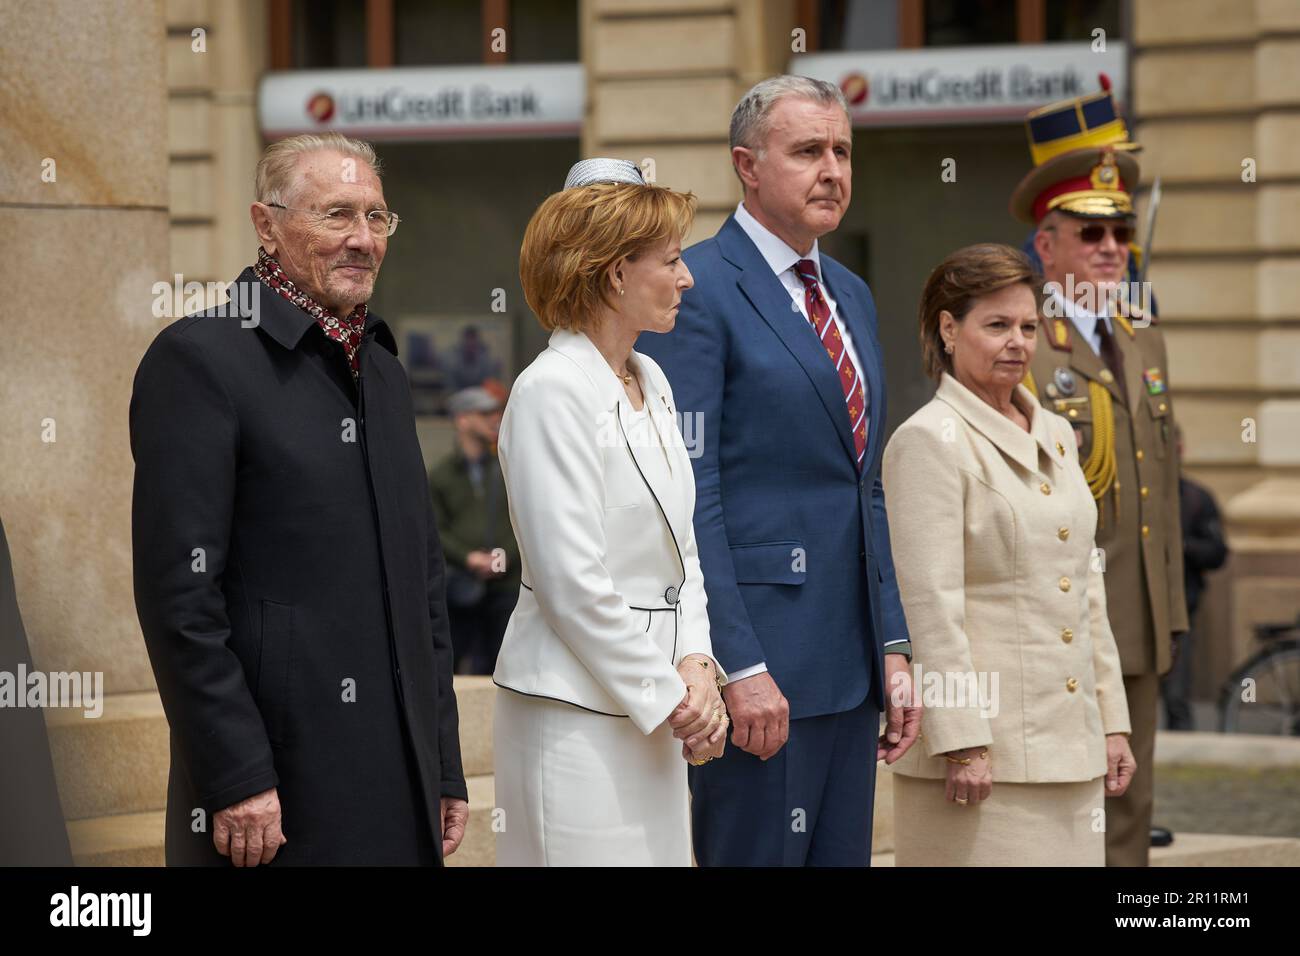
(1144, 491)
(1140, 454)
(1163, 406)
(1045, 488)
(1060, 449)
(1067, 635)
(1063, 534)
(1073, 413)
(1146, 531)
(1065, 584)
(1071, 685)
(1105, 376)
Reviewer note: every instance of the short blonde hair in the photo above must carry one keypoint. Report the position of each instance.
(957, 283)
(576, 234)
(275, 169)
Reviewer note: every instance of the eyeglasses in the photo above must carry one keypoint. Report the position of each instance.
(380, 222)
(1095, 232)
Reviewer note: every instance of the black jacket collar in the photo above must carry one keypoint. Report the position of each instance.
(286, 323)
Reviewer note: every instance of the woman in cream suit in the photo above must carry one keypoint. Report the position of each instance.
(608, 682)
(1025, 725)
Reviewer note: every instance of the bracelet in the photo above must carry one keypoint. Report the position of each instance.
(706, 664)
(965, 761)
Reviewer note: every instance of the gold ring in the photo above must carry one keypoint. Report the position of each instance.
(963, 801)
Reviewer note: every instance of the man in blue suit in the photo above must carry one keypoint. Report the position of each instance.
(775, 355)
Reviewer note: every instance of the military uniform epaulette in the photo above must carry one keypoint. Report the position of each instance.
(1059, 335)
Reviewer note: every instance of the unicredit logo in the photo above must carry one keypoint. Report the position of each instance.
(855, 88)
(321, 107)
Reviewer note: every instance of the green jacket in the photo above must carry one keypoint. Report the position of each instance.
(462, 513)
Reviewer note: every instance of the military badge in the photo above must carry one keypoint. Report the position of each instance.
(1064, 381)
(1155, 381)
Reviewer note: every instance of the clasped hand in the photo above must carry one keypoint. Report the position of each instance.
(700, 720)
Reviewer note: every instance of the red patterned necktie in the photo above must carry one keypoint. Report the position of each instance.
(819, 314)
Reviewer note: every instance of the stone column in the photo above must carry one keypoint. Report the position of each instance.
(83, 213)
(662, 79)
(213, 141)
(1216, 90)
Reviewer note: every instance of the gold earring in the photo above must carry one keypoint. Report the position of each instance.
(620, 291)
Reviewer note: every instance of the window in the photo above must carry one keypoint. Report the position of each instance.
(1069, 20)
(544, 31)
(445, 33)
(329, 34)
(965, 22)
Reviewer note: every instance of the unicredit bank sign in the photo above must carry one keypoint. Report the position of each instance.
(973, 84)
(475, 102)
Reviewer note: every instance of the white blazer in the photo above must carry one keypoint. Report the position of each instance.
(612, 597)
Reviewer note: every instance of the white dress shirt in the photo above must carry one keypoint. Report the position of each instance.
(782, 260)
(1085, 321)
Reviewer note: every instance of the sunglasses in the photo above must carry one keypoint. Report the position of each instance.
(1095, 232)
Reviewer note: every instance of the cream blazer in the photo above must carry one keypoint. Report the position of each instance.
(992, 530)
(612, 596)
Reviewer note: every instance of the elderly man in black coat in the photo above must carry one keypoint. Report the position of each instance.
(288, 571)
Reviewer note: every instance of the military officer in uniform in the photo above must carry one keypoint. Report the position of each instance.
(1102, 364)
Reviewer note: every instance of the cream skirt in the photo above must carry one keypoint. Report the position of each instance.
(1020, 824)
(576, 788)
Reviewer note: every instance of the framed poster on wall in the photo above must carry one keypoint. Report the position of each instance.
(446, 353)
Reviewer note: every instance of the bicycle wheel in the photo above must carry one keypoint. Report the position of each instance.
(1263, 695)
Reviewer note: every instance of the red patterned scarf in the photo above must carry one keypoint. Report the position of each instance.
(347, 332)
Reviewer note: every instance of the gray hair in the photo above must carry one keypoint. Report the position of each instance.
(751, 119)
(275, 168)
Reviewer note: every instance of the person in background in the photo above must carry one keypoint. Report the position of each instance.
(1102, 364)
(469, 503)
(1204, 549)
(472, 362)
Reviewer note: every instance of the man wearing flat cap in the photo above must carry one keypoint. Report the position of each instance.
(1103, 366)
(469, 502)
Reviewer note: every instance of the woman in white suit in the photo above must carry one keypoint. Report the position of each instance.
(1026, 725)
(607, 679)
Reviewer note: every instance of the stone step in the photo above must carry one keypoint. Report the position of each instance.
(136, 839)
(1226, 849)
(474, 702)
(1182, 747)
(113, 764)
(117, 763)
(1205, 849)
(127, 839)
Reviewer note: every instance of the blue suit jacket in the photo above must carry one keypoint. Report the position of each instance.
(793, 540)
